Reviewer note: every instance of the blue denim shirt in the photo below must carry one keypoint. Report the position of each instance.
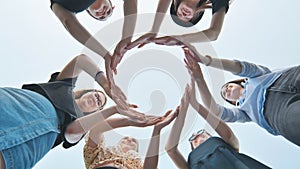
(260, 78)
(24, 115)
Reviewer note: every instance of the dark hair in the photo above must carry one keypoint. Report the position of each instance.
(238, 82)
(196, 18)
(80, 93)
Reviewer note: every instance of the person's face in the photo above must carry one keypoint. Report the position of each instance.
(231, 91)
(91, 101)
(186, 10)
(101, 9)
(128, 143)
(199, 139)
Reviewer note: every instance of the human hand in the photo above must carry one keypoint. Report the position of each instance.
(141, 41)
(185, 99)
(192, 64)
(119, 52)
(149, 120)
(169, 41)
(131, 113)
(167, 119)
(191, 51)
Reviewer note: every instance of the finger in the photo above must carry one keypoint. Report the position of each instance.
(187, 63)
(141, 45)
(167, 113)
(159, 40)
(135, 43)
(133, 105)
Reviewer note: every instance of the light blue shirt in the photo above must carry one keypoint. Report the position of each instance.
(251, 107)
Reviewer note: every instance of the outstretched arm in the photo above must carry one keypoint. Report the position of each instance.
(209, 34)
(161, 10)
(84, 63)
(206, 35)
(192, 55)
(206, 96)
(219, 125)
(73, 26)
(130, 10)
(151, 159)
(172, 144)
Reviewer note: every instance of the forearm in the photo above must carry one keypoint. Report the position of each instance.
(219, 126)
(107, 125)
(176, 131)
(205, 94)
(130, 15)
(161, 10)
(226, 64)
(86, 123)
(202, 36)
(72, 25)
(178, 158)
(151, 160)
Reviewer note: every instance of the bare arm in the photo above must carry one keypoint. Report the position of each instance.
(151, 160)
(209, 34)
(220, 127)
(172, 144)
(113, 123)
(197, 74)
(130, 10)
(86, 123)
(107, 125)
(161, 10)
(84, 63)
(73, 26)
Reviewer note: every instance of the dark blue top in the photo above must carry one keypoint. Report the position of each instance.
(214, 153)
(60, 94)
(218, 4)
(74, 5)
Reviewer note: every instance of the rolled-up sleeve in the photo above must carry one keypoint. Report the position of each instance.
(252, 70)
(233, 115)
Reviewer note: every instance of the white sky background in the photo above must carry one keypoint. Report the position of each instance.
(34, 44)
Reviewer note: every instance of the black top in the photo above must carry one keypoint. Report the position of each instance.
(60, 94)
(218, 4)
(74, 5)
(214, 153)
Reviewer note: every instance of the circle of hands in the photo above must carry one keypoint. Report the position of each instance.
(192, 57)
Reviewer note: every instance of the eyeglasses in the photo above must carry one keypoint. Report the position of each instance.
(194, 136)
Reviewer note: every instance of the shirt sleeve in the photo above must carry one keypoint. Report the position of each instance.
(233, 115)
(252, 70)
(92, 153)
(72, 81)
(218, 4)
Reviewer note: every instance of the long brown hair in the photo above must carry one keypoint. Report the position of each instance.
(238, 82)
(79, 93)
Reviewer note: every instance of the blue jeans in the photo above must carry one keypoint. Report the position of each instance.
(28, 127)
(282, 106)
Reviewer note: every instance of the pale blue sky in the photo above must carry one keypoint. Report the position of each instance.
(34, 44)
